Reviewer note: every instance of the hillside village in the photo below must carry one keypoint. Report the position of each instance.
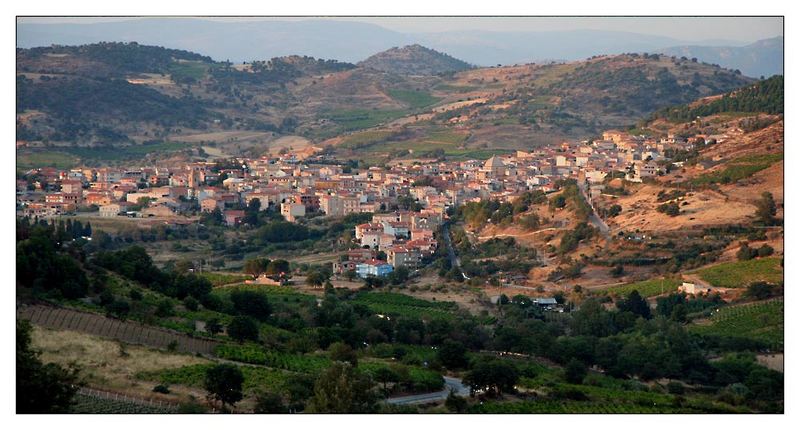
(301, 185)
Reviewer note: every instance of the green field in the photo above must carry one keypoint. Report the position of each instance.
(358, 119)
(446, 136)
(739, 274)
(648, 288)
(364, 138)
(414, 99)
(125, 152)
(738, 169)
(189, 69)
(27, 160)
(761, 321)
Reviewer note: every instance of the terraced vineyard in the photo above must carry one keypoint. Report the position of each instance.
(194, 376)
(762, 321)
(402, 305)
(90, 404)
(573, 407)
(125, 331)
(255, 354)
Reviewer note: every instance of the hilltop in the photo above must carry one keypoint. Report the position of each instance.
(414, 60)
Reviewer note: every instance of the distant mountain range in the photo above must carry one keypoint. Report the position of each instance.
(355, 41)
(762, 58)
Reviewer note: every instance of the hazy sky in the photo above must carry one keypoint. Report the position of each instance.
(741, 29)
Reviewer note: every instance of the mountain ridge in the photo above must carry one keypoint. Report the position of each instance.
(355, 41)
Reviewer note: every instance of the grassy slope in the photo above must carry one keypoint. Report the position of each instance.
(739, 274)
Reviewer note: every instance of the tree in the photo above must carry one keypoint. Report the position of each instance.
(316, 279)
(251, 303)
(164, 308)
(764, 384)
(342, 389)
(251, 212)
(766, 209)
(224, 384)
(213, 326)
(243, 328)
(592, 320)
(575, 371)
(765, 250)
(269, 402)
(635, 304)
(452, 354)
(670, 208)
(41, 388)
(759, 290)
(340, 351)
(256, 266)
(190, 303)
(493, 375)
(385, 375)
(746, 253)
(455, 403)
(118, 308)
(276, 267)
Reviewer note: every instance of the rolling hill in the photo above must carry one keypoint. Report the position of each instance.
(127, 93)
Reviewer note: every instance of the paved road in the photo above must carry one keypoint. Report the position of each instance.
(454, 260)
(451, 384)
(594, 219)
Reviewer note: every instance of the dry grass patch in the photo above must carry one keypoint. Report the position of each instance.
(110, 365)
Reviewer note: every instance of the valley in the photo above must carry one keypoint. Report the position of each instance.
(595, 236)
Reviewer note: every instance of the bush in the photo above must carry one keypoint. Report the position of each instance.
(671, 209)
(760, 290)
(164, 308)
(118, 308)
(746, 253)
(243, 328)
(251, 303)
(190, 303)
(575, 372)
